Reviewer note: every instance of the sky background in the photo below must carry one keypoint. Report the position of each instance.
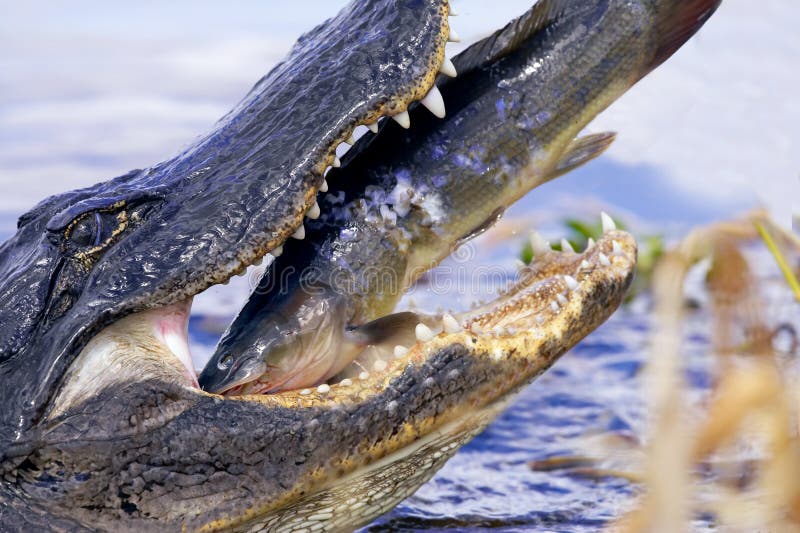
(92, 89)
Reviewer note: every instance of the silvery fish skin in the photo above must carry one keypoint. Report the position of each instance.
(404, 199)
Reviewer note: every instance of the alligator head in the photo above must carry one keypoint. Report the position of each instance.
(103, 425)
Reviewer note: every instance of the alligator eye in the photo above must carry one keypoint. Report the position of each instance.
(94, 229)
(225, 363)
(86, 232)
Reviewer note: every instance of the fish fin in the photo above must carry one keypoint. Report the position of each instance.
(508, 39)
(484, 226)
(384, 329)
(581, 151)
(676, 23)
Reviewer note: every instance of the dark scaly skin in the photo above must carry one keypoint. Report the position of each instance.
(522, 96)
(156, 454)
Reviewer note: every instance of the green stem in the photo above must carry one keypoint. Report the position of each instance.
(779, 258)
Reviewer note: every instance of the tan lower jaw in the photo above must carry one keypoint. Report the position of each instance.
(545, 305)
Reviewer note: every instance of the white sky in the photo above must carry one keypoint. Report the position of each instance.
(91, 89)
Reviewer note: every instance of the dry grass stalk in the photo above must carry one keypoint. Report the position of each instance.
(752, 405)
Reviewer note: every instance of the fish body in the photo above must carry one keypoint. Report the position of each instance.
(405, 199)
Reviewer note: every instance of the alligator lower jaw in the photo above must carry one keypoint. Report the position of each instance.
(357, 446)
(559, 299)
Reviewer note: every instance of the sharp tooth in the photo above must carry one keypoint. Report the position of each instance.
(373, 127)
(616, 248)
(424, 333)
(572, 283)
(300, 234)
(453, 10)
(403, 119)
(566, 246)
(400, 352)
(313, 213)
(450, 324)
(585, 264)
(604, 259)
(539, 319)
(561, 299)
(590, 244)
(305, 392)
(608, 222)
(346, 382)
(277, 252)
(454, 38)
(337, 162)
(324, 388)
(539, 245)
(379, 365)
(554, 306)
(363, 376)
(324, 186)
(448, 68)
(434, 102)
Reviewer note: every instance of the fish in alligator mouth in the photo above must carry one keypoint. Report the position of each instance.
(104, 426)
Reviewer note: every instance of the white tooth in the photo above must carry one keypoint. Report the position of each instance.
(346, 382)
(453, 10)
(476, 328)
(324, 186)
(337, 162)
(572, 283)
(324, 388)
(424, 333)
(448, 68)
(585, 264)
(305, 392)
(604, 260)
(363, 376)
(400, 352)
(554, 306)
(590, 244)
(616, 248)
(403, 119)
(454, 38)
(566, 246)
(498, 330)
(608, 222)
(313, 213)
(561, 299)
(434, 102)
(539, 245)
(277, 252)
(300, 234)
(373, 127)
(539, 319)
(379, 365)
(450, 324)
